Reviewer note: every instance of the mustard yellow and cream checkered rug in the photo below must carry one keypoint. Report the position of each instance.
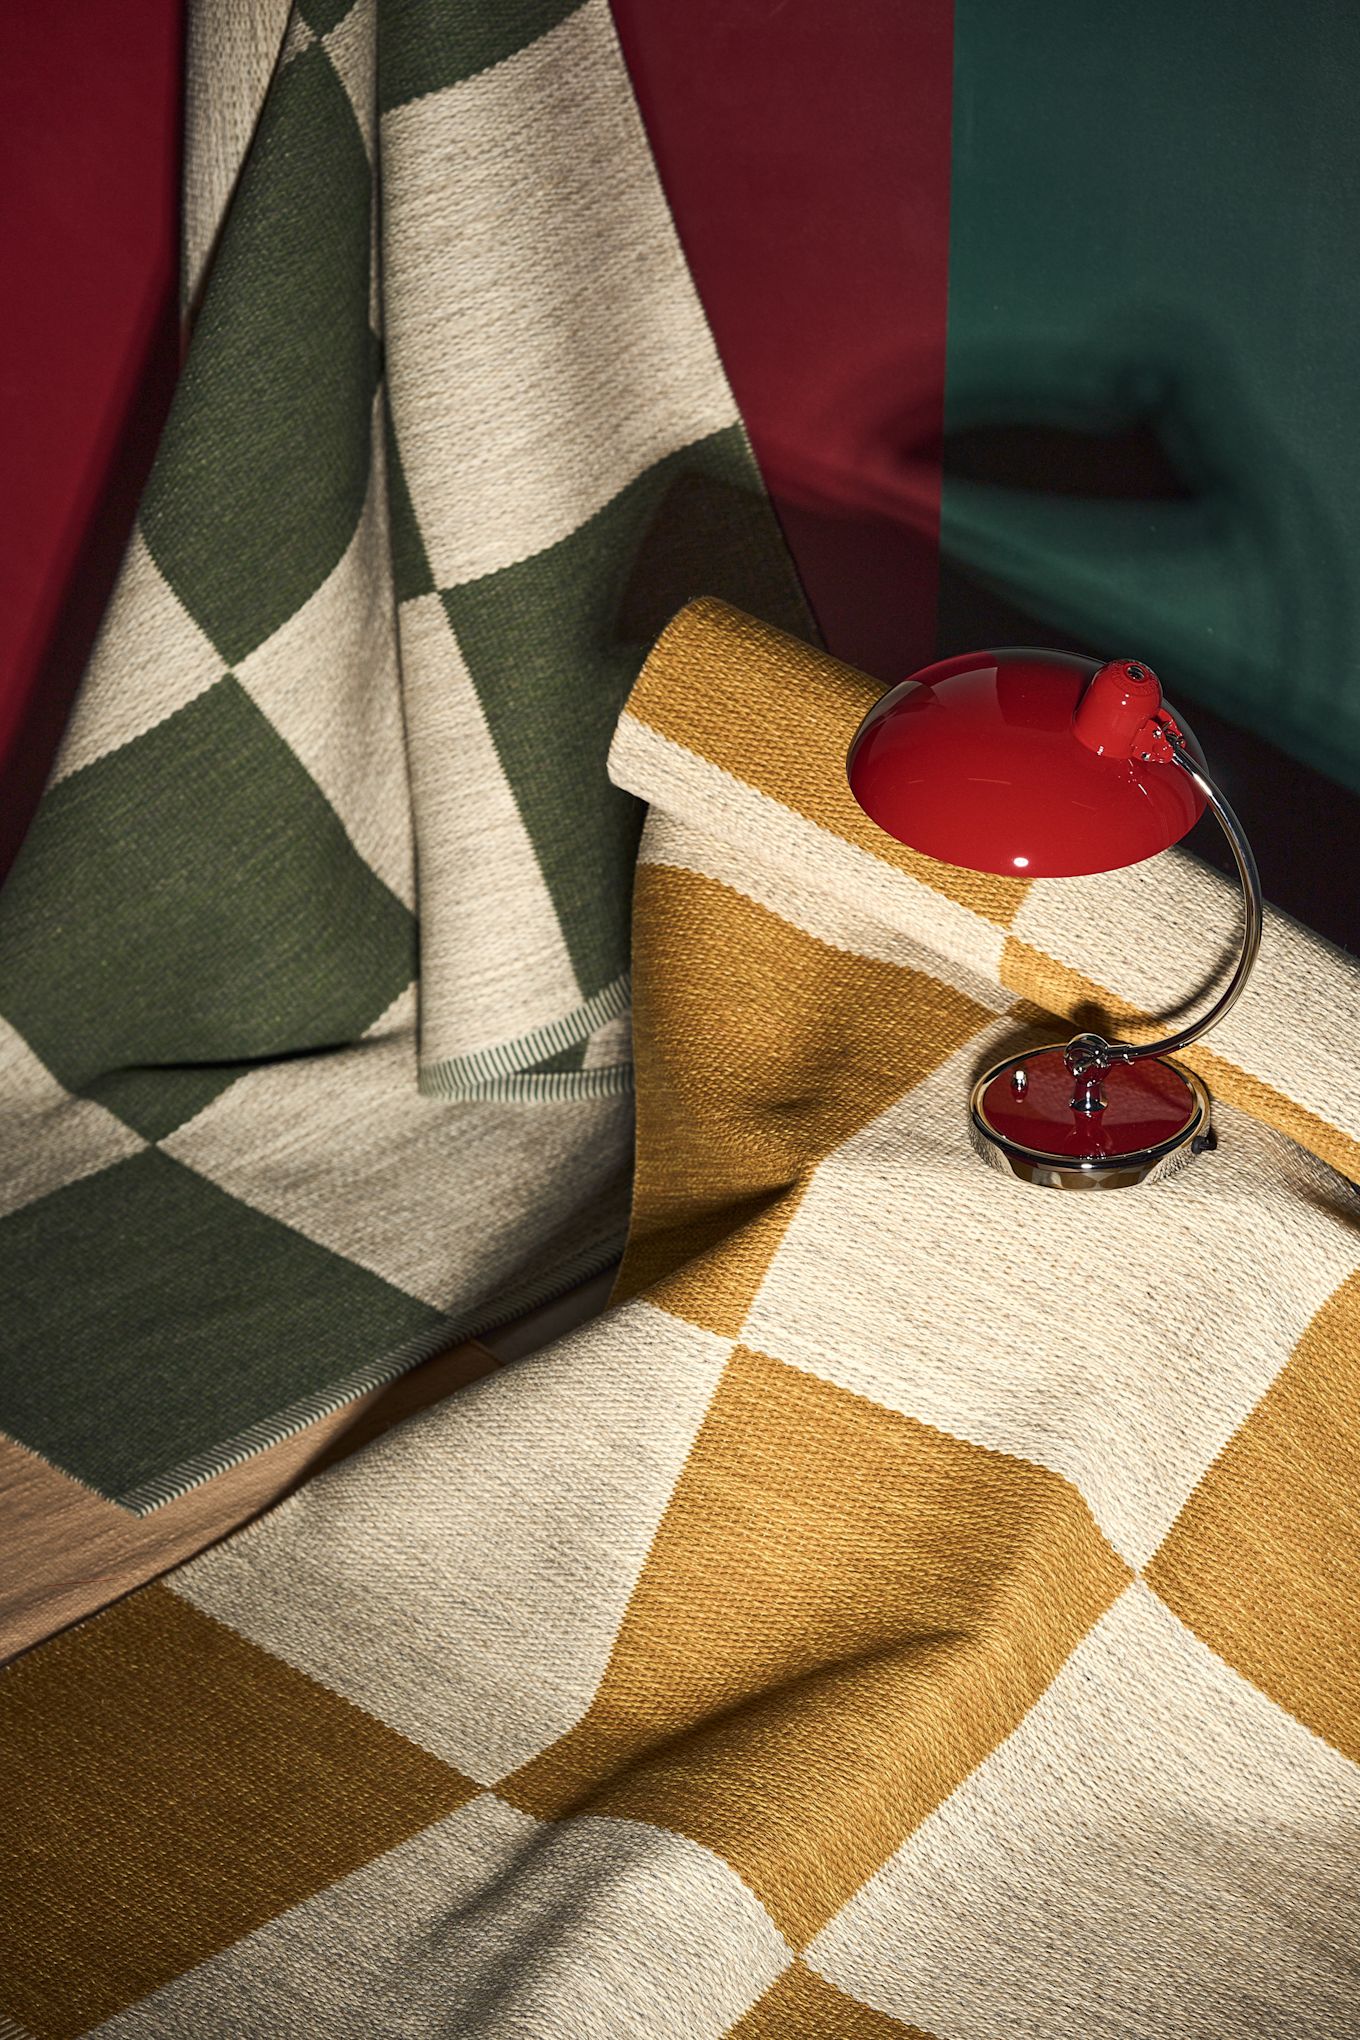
(922, 1605)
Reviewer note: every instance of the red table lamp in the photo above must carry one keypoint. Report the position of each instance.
(1041, 765)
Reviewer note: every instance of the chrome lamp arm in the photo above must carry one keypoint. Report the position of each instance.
(1088, 1054)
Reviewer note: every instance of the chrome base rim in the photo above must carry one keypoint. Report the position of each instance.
(1045, 1171)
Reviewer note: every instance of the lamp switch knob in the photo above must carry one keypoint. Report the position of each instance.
(1119, 700)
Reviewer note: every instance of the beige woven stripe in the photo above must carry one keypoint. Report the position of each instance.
(719, 808)
(487, 977)
(780, 715)
(149, 659)
(549, 271)
(233, 46)
(47, 1136)
(295, 1139)
(329, 681)
(839, 919)
(351, 47)
(610, 1045)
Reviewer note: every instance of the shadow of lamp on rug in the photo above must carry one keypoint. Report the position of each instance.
(1044, 765)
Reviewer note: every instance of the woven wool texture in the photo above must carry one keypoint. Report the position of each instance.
(922, 1605)
(313, 970)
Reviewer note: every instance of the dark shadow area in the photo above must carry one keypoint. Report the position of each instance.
(711, 533)
(1128, 463)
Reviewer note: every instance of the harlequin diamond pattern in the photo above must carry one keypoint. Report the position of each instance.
(450, 444)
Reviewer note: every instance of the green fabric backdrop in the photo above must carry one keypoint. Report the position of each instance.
(1154, 299)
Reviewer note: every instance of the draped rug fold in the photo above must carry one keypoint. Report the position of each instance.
(922, 1605)
(313, 968)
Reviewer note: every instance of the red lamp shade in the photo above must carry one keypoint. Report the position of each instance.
(1036, 764)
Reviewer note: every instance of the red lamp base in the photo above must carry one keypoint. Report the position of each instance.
(1142, 1121)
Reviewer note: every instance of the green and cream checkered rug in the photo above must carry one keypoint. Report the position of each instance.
(313, 970)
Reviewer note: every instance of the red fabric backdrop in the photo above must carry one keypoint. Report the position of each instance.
(805, 152)
(90, 121)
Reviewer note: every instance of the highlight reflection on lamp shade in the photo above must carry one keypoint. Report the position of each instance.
(986, 760)
(1042, 765)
